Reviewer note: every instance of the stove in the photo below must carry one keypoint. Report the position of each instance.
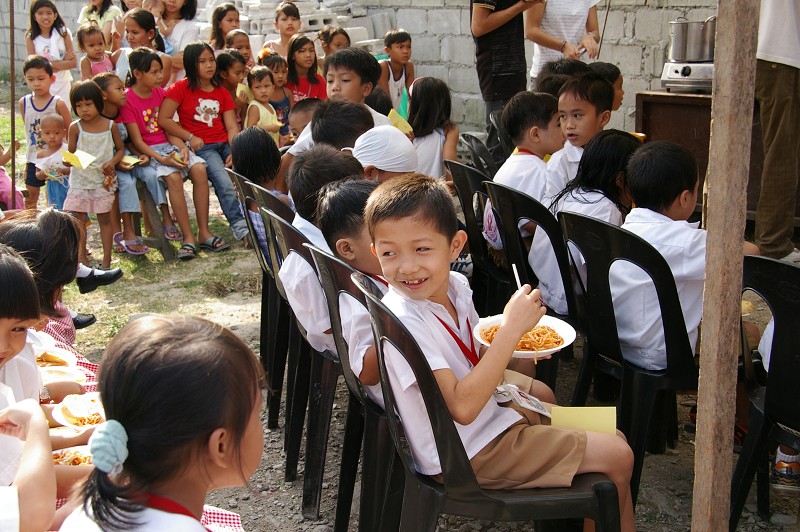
(687, 77)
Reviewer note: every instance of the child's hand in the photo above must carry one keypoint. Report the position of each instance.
(124, 167)
(195, 144)
(17, 420)
(107, 168)
(40, 175)
(16, 145)
(144, 160)
(523, 311)
(285, 140)
(60, 389)
(229, 162)
(116, 37)
(69, 56)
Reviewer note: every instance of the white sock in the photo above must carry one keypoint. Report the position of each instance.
(83, 270)
(72, 313)
(788, 458)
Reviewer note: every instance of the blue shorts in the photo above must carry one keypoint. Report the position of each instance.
(30, 176)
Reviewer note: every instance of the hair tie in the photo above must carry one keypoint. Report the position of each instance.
(109, 447)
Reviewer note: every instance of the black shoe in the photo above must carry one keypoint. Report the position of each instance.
(93, 280)
(81, 321)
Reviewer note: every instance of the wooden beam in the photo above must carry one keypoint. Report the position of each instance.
(728, 168)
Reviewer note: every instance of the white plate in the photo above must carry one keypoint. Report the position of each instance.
(62, 373)
(564, 329)
(63, 354)
(90, 401)
(81, 449)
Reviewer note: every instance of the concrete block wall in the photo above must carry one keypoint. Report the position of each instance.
(636, 40)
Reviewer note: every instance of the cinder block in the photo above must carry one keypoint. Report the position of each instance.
(615, 29)
(457, 3)
(457, 110)
(474, 114)
(426, 3)
(696, 15)
(444, 21)
(465, 22)
(619, 3)
(459, 50)
(653, 24)
(414, 21)
(430, 71)
(684, 3)
(627, 57)
(630, 121)
(617, 120)
(654, 58)
(381, 23)
(463, 79)
(357, 33)
(632, 86)
(425, 49)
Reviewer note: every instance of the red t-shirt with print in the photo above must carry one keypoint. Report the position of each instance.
(200, 112)
(305, 89)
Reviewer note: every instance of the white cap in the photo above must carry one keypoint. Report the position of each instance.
(386, 148)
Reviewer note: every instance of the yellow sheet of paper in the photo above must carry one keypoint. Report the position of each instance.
(594, 418)
(243, 92)
(130, 160)
(399, 122)
(79, 159)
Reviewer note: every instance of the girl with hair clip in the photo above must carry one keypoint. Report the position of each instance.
(303, 80)
(435, 135)
(91, 42)
(207, 125)
(600, 191)
(49, 37)
(331, 39)
(182, 397)
(224, 19)
(102, 12)
(141, 31)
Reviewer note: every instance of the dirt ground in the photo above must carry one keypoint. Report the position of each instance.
(225, 287)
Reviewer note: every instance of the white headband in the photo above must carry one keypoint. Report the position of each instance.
(386, 148)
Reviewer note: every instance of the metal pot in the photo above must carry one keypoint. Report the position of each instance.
(692, 41)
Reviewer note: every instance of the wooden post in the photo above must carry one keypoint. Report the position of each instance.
(728, 169)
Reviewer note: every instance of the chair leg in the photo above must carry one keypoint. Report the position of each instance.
(324, 374)
(762, 485)
(376, 475)
(753, 451)
(421, 509)
(348, 470)
(607, 507)
(584, 380)
(265, 349)
(297, 406)
(659, 423)
(279, 333)
(296, 346)
(636, 409)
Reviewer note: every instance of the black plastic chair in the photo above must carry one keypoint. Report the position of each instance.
(315, 379)
(481, 157)
(591, 496)
(773, 408)
(512, 207)
(378, 449)
(491, 285)
(643, 392)
(506, 143)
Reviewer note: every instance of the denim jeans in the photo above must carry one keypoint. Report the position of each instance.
(214, 156)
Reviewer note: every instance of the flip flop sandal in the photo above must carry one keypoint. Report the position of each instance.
(215, 244)
(187, 252)
(118, 248)
(172, 233)
(135, 242)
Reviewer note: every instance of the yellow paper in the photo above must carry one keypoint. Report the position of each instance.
(79, 159)
(399, 122)
(594, 418)
(130, 160)
(243, 92)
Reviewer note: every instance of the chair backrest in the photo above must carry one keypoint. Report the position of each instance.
(779, 284)
(269, 200)
(457, 472)
(602, 244)
(480, 155)
(244, 191)
(506, 143)
(277, 257)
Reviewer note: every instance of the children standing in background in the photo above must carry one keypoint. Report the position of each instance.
(16, 202)
(260, 113)
(155, 371)
(281, 99)
(179, 15)
(50, 162)
(97, 60)
(331, 38)
(239, 40)
(287, 23)
(102, 12)
(397, 72)
(224, 19)
(303, 80)
(157, 8)
(435, 135)
(39, 77)
(613, 75)
(230, 74)
(50, 38)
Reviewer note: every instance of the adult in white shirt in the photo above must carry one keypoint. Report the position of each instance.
(180, 15)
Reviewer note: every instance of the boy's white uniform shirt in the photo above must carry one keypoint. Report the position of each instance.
(357, 332)
(541, 257)
(562, 168)
(19, 380)
(442, 352)
(524, 172)
(147, 519)
(304, 292)
(304, 141)
(636, 307)
(9, 509)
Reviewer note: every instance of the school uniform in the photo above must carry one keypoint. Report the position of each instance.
(506, 449)
(522, 171)
(562, 168)
(541, 257)
(9, 503)
(636, 307)
(304, 292)
(304, 141)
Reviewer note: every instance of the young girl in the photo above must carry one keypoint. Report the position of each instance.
(49, 37)
(179, 15)
(102, 12)
(281, 99)
(197, 386)
(435, 136)
(599, 190)
(287, 23)
(207, 114)
(224, 19)
(97, 60)
(145, 102)
(260, 113)
(331, 38)
(92, 188)
(140, 30)
(239, 40)
(303, 81)
(230, 74)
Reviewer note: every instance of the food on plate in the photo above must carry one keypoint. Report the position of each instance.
(539, 338)
(71, 457)
(46, 359)
(82, 410)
